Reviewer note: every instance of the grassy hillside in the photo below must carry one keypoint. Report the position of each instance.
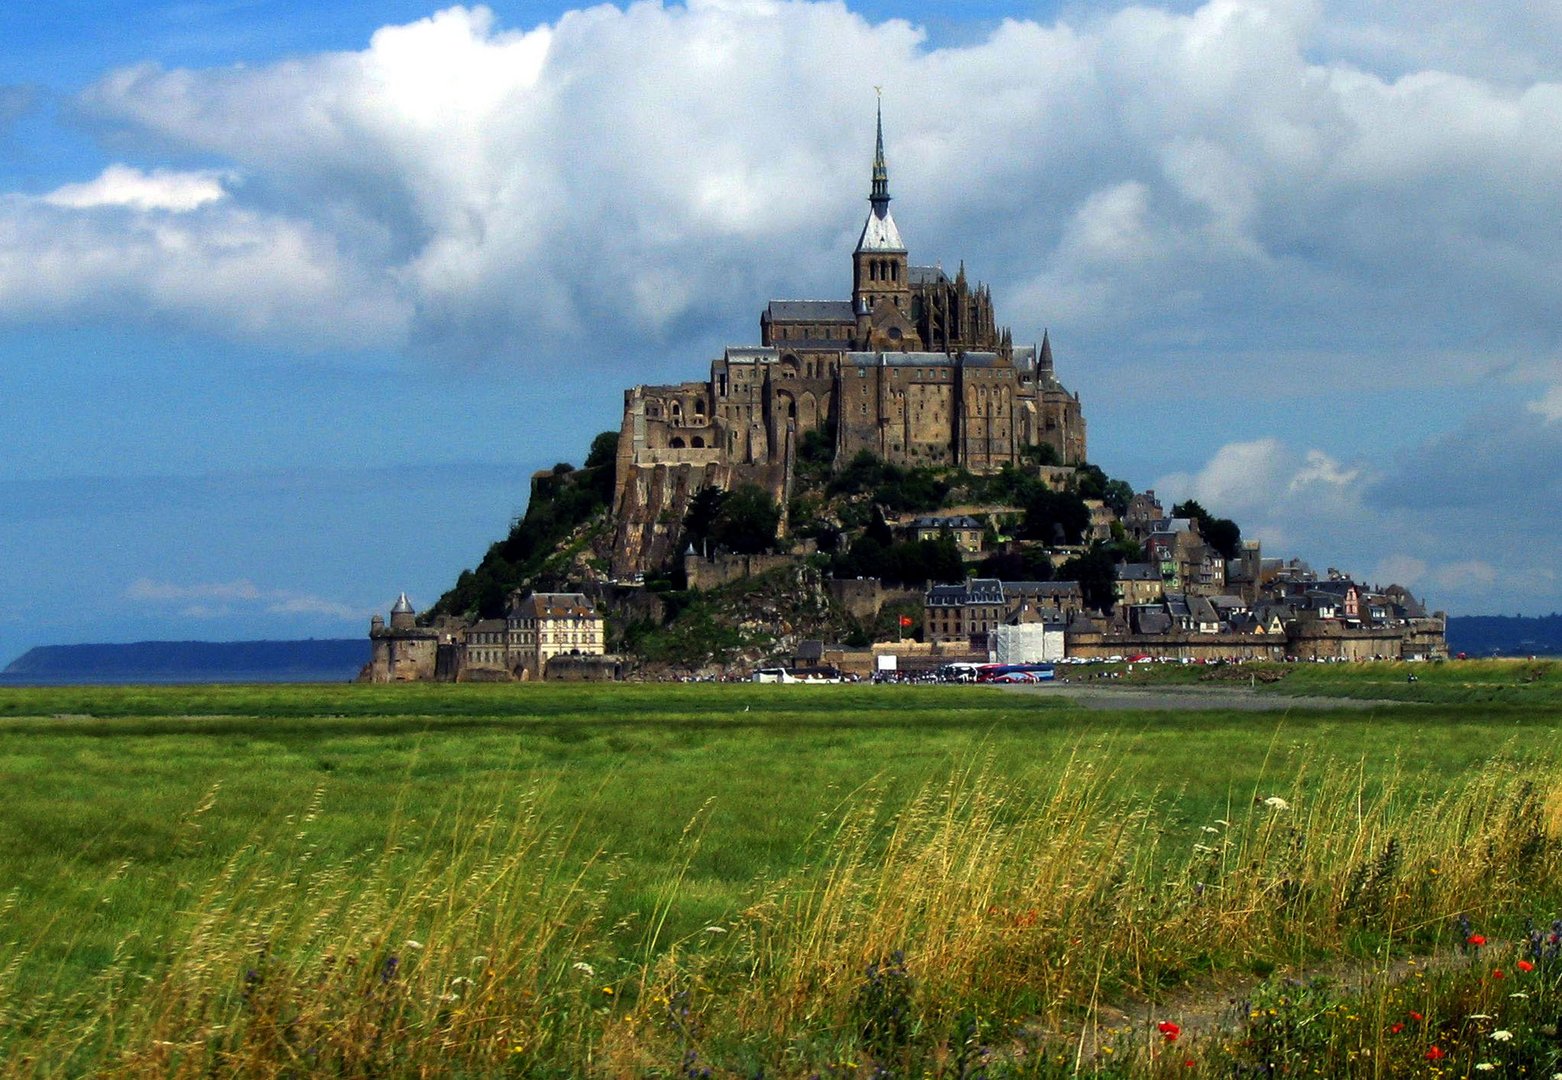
(605, 880)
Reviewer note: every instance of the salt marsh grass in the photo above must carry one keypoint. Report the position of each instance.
(917, 883)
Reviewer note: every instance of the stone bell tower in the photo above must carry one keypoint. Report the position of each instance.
(881, 285)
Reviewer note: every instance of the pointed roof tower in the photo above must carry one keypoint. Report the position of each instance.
(879, 232)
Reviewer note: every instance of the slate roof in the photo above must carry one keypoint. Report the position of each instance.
(899, 359)
(927, 275)
(403, 606)
(555, 606)
(1151, 621)
(1138, 571)
(797, 345)
(750, 352)
(810, 311)
(978, 359)
(1042, 588)
(879, 232)
(984, 590)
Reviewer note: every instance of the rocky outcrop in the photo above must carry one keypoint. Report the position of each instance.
(654, 499)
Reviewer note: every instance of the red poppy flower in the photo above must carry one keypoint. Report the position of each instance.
(1169, 1029)
(1497, 974)
(1525, 965)
(1416, 1016)
(1435, 1054)
(1188, 1064)
(1396, 1029)
(1476, 940)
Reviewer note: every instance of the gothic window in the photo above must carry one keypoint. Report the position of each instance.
(699, 405)
(697, 442)
(676, 443)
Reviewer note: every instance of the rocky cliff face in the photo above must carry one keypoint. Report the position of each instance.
(653, 500)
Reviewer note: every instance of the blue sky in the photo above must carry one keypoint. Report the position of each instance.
(294, 298)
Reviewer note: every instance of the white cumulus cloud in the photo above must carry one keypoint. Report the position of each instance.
(160, 189)
(1212, 184)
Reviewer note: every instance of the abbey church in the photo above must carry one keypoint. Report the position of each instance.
(913, 369)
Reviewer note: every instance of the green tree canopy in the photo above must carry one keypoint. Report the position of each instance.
(1055, 517)
(746, 521)
(1096, 572)
(1222, 534)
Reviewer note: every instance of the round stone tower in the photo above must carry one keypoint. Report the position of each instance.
(402, 615)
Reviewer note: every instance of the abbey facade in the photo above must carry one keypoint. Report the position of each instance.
(913, 368)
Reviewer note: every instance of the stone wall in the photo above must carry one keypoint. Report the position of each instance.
(718, 570)
(1179, 646)
(585, 669)
(861, 598)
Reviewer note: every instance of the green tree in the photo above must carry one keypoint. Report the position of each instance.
(700, 519)
(1222, 534)
(1096, 572)
(1055, 517)
(747, 521)
(1117, 496)
(1026, 564)
(604, 451)
(1040, 455)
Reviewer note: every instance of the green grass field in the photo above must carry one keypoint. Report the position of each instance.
(160, 846)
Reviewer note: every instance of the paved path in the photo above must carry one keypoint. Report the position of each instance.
(1104, 695)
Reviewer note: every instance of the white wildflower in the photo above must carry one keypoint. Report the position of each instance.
(414, 945)
(1485, 1066)
(1275, 802)
(584, 968)
(715, 929)
(1502, 1036)
(1520, 994)
(1210, 829)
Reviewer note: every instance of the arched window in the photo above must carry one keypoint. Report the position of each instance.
(697, 442)
(677, 443)
(699, 405)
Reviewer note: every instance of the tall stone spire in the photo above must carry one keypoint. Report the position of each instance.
(880, 195)
(879, 232)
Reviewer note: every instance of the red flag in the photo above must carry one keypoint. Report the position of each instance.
(905, 620)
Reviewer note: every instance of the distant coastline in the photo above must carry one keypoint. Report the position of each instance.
(340, 659)
(311, 660)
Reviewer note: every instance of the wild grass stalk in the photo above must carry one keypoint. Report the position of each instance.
(983, 921)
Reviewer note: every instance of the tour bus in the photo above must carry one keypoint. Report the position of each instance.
(959, 671)
(1015, 673)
